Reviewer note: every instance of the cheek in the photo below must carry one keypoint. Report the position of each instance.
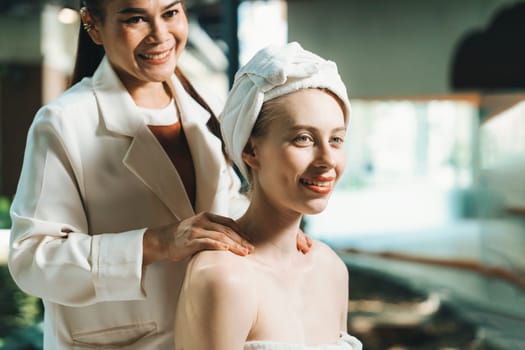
(121, 42)
(180, 29)
(131, 39)
(340, 162)
(291, 156)
(276, 163)
(293, 163)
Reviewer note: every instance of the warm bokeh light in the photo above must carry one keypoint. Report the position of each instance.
(68, 16)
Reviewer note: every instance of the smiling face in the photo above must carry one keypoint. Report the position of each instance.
(143, 39)
(297, 160)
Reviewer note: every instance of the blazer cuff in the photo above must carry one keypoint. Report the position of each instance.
(117, 265)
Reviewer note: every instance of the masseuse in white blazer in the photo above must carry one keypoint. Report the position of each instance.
(106, 214)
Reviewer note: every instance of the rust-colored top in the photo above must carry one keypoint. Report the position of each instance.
(173, 140)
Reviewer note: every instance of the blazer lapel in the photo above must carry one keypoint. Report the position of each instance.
(148, 161)
(206, 151)
(145, 156)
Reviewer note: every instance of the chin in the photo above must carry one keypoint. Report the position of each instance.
(314, 208)
(165, 71)
(159, 73)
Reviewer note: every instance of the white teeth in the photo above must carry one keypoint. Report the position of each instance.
(316, 183)
(157, 56)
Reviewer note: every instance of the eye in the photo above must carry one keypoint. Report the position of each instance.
(134, 20)
(303, 139)
(338, 140)
(171, 13)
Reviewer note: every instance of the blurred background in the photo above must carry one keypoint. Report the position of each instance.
(430, 215)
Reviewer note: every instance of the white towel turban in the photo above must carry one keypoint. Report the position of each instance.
(273, 72)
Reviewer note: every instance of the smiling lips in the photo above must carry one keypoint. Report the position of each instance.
(322, 185)
(156, 57)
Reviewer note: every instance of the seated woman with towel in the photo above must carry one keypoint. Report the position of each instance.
(284, 126)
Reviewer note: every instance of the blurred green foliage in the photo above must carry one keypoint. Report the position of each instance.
(20, 314)
(17, 309)
(5, 219)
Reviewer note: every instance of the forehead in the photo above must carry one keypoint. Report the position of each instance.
(139, 4)
(313, 106)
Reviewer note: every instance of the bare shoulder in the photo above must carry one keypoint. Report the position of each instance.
(218, 260)
(219, 285)
(328, 259)
(218, 271)
(325, 253)
(217, 306)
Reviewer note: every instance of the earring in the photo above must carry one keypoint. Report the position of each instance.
(83, 13)
(87, 26)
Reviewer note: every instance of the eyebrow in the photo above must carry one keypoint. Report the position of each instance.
(129, 10)
(308, 127)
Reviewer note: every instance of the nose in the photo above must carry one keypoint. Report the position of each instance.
(325, 157)
(158, 31)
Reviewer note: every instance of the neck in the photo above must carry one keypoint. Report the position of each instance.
(151, 95)
(273, 231)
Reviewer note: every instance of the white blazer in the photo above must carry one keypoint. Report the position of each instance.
(94, 178)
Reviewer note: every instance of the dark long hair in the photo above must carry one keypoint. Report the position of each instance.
(213, 123)
(89, 55)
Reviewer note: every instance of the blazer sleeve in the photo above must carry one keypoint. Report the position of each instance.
(52, 254)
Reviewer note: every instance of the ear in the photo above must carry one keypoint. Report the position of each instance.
(90, 25)
(249, 154)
